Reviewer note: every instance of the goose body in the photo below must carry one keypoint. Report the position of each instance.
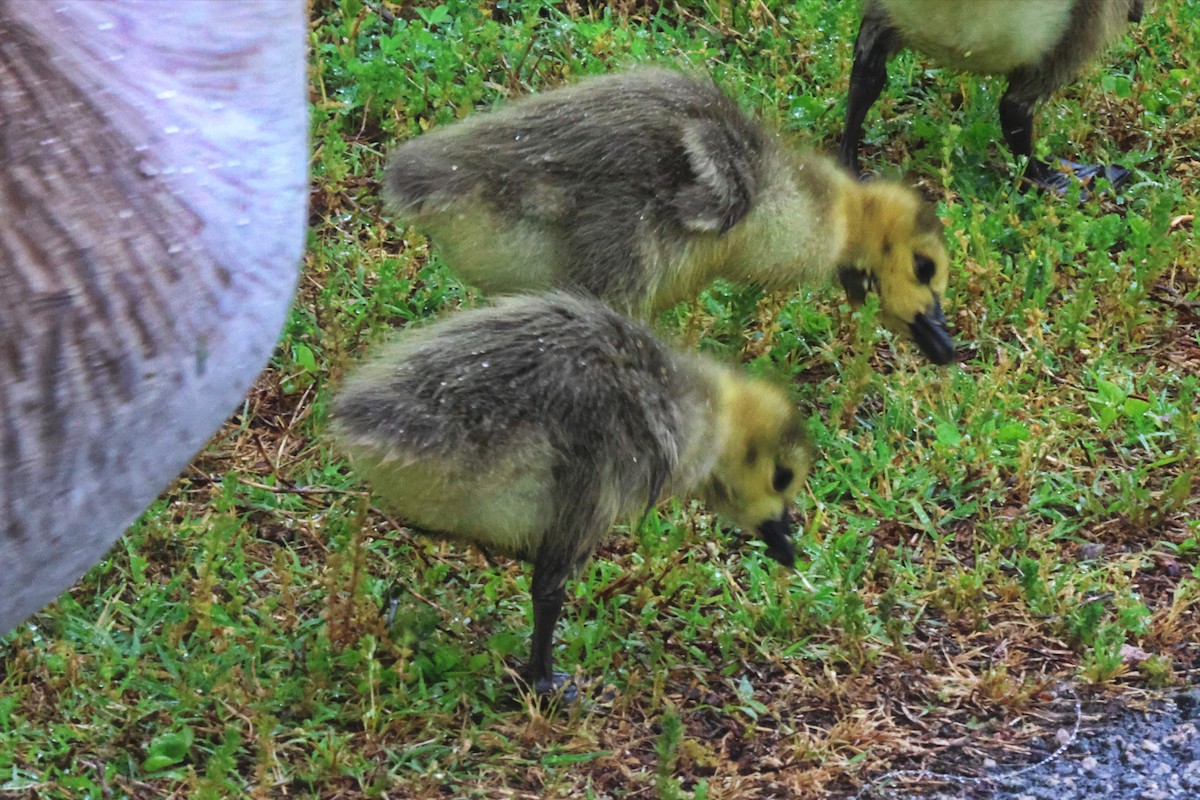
(530, 427)
(641, 187)
(152, 211)
(1039, 45)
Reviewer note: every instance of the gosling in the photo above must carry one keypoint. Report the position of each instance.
(1040, 45)
(531, 426)
(641, 187)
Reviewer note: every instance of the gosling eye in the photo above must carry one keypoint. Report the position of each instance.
(924, 268)
(782, 479)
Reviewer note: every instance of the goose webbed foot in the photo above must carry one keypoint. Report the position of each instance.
(559, 686)
(1068, 177)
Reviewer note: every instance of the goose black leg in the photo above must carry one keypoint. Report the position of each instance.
(1016, 121)
(876, 43)
(549, 590)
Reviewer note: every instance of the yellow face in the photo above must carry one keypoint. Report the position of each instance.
(902, 256)
(762, 466)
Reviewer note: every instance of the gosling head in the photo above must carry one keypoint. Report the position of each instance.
(762, 465)
(899, 252)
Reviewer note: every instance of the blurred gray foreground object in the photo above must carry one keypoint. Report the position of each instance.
(152, 206)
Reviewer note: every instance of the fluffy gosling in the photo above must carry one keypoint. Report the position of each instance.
(1040, 45)
(641, 187)
(530, 427)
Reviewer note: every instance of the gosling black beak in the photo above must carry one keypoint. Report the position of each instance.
(856, 283)
(930, 333)
(778, 536)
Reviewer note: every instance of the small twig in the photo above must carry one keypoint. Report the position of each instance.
(385, 15)
(514, 81)
(432, 604)
(767, 13)
(986, 780)
(301, 410)
(718, 28)
(1167, 295)
(262, 451)
(302, 490)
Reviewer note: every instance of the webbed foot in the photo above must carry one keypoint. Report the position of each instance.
(1069, 177)
(559, 686)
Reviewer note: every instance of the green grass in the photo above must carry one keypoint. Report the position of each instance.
(972, 535)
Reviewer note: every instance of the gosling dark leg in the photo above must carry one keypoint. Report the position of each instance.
(549, 589)
(876, 43)
(1016, 121)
